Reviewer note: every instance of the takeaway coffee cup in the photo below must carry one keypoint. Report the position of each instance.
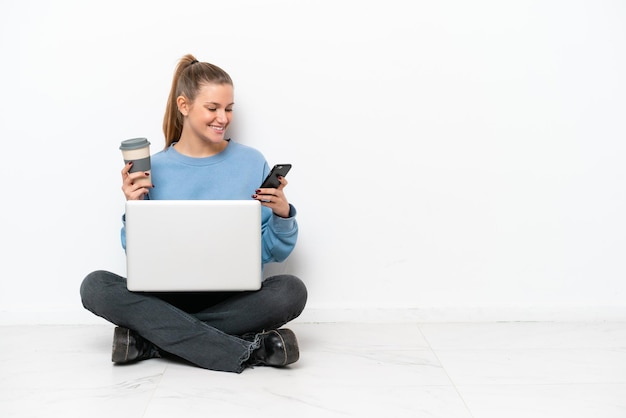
(137, 150)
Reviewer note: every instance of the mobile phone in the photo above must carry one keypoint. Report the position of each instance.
(271, 181)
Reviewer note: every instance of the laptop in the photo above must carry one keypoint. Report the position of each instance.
(193, 245)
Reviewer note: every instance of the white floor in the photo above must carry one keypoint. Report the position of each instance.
(479, 370)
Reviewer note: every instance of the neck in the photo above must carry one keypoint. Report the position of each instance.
(199, 148)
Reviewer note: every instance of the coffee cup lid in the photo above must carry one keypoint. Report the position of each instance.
(134, 143)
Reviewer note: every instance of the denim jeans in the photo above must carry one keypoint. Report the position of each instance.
(213, 330)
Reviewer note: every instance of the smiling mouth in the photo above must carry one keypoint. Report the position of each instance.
(217, 128)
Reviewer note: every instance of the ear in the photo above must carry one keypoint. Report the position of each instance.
(183, 105)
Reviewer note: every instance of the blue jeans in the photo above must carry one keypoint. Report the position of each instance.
(213, 330)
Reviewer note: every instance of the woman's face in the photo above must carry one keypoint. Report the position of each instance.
(210, 114)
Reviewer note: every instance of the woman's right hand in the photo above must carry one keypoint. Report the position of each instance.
(134, 190)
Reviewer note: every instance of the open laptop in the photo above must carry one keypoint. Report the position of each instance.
(193, 245)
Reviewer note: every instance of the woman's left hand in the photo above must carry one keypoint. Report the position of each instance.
(274, 198)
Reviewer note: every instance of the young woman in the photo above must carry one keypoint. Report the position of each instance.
(226, 331)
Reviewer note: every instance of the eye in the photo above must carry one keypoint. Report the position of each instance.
(211, 109)
(229, 109)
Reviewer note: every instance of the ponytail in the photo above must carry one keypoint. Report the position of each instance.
(189, 76)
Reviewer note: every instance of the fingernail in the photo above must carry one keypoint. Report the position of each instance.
(254, 196)
(258, 190)
(147, 174)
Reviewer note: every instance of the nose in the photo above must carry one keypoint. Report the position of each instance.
(222, 117)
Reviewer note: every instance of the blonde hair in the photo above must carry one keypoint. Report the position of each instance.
(189, 76)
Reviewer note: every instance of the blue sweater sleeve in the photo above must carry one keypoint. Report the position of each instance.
(279, 236)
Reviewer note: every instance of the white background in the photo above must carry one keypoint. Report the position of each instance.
(457, 159)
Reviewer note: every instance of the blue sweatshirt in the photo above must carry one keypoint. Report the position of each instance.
(233, 174)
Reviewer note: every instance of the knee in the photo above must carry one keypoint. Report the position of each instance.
(89, 288)
(92, 289)
(299, 290)
(293, 291)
